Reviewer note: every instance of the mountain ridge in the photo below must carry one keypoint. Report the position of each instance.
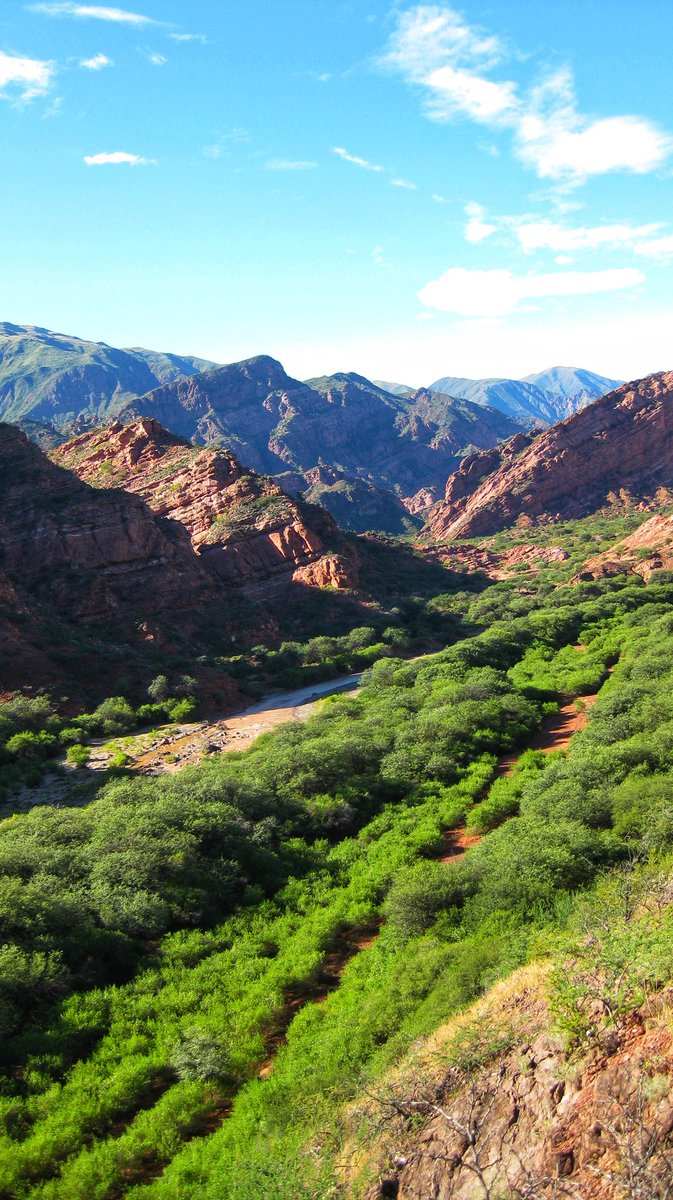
(618, 450)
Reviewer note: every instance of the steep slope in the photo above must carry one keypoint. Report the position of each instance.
(243, 527)
(538, 399)
(92, 581)
(619, 449)
(344, 423)
(529, 1120)
(50, 377)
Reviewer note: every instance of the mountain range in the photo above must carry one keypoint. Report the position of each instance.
(540, 399)
(374, 456)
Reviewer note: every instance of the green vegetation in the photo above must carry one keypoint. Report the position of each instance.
(198, 971)
(32, 732)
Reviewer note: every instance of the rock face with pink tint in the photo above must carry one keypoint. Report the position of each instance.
(618, 450)
(244, 528)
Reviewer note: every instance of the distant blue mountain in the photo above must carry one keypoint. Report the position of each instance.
(544, 398)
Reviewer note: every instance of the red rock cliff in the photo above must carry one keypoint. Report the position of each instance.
(620, 448)
(243, 526)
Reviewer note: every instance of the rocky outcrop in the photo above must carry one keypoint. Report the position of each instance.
(332, 570)
(618, 451)
(649, 549)
(244, 527)
(532, 1122)
(85, 569)
(496, 564)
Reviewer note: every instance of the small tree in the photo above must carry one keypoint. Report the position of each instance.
(199, 1055)
(158, 690)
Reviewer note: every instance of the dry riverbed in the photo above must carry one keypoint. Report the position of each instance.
(172, 747)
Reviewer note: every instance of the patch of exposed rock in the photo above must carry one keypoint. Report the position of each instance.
(332, 570)
(83, 568)
(243, 526)
(497, 564)
(531, 1123)
(649, 549)
(618, 450)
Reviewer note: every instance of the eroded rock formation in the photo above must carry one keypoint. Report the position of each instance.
(619, 450)
(243, 526)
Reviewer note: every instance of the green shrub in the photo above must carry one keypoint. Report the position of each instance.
(200, 1055)
(415, 900)
(78, 755)
(31, 745)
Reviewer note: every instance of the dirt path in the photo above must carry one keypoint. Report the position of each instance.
(346, 945)
(555, 733)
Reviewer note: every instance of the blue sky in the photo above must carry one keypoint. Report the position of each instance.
(402, 190)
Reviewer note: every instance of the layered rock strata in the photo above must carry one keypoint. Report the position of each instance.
(617, 451)
(245, 529)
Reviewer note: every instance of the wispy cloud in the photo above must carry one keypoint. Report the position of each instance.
(434, 49)
(499, 293)
(534, 235)
(353, 158)
(96, 63)
(24, 77)
(117, 158)
(477, 229)
(156, 59)
(66, 8)
(660, 249)
(233, 137)
(404, 183)
(564, 239)
(290, 164)
(188, 37)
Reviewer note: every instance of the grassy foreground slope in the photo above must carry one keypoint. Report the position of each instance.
(193, 934)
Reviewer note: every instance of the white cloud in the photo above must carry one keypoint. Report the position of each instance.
(289, 164)
(477, 229)
(548, 235)
(157, 60)
(404, 183)
(455, 92)
(96, 63)
(353, 158)
(560, 143)
(430, 35)
(188, 37)
(658, 248)
(65, 8)
(498, 293)
(117, 157)
(31, 76)
(433, 48)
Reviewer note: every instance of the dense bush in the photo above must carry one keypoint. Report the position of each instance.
(179, 927)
